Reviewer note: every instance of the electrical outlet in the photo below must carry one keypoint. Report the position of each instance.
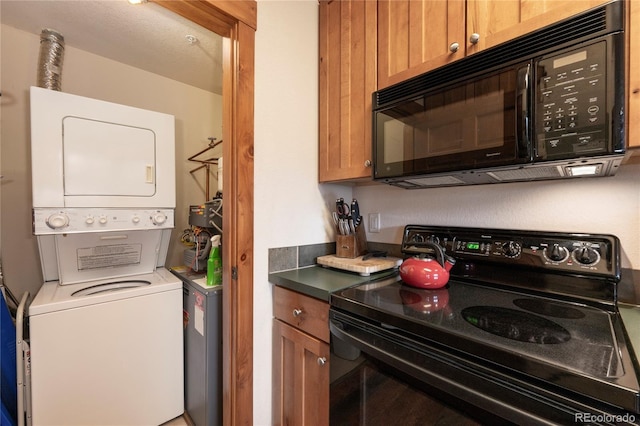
(374, 222)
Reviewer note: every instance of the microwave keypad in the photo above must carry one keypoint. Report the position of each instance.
(571, 103)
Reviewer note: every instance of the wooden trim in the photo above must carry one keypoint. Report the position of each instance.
(217, 16)
(238, 295)
(236, 21)
(633, 75)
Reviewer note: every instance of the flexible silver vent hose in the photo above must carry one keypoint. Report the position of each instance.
(50, 60)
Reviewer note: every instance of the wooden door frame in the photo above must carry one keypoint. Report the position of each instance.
(236, 21)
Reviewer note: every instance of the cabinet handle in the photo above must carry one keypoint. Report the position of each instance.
(297, 312)
(453, 47)
(367, 163)
(322, 361)
(475, 38)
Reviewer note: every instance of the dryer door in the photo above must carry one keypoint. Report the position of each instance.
(107, 159)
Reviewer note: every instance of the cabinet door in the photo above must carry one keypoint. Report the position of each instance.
(497, 21)
(347, 80)
(417, 36)
(633, 56)
(300, 377)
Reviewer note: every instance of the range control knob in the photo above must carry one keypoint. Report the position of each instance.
(417, 238)
(556, 253)
(511, 249)
(434, 239)
(158, 218)
(586, 255)
(57, 220)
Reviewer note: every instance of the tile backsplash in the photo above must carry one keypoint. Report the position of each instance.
(287, 258)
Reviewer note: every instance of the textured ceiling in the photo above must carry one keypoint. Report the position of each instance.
(145, 36)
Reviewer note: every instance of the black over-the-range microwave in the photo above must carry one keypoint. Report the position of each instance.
(547, 105)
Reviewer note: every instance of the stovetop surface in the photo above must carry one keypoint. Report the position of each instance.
(569, 335)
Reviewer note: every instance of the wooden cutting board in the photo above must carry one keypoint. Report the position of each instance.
(362, 267)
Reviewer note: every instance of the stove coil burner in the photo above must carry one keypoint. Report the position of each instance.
(516, 325)
(549, 309)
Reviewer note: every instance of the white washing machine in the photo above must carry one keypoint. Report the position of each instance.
(108, 352)
(106, 326)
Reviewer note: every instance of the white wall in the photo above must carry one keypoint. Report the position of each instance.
(605, 205)
(198, 116)
(290, 207)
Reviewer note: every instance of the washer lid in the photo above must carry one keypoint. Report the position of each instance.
(54, 297)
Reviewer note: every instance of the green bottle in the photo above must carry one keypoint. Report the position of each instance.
(214, 263)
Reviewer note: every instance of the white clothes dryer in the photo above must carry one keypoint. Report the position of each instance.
(108, 352)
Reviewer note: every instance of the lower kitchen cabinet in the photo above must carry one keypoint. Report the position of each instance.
(300, 359)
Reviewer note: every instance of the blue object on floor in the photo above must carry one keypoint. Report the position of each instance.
(8, 377)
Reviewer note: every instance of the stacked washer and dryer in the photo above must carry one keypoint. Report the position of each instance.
(106, 328)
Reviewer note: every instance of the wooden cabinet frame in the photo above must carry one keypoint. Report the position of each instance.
(236, 21)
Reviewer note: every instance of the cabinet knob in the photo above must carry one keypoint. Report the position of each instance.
(453, 47)
(322, 361)
(297, 312)
(474, 38)
(367, 163)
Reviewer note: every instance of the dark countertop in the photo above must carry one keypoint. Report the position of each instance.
(319, 282)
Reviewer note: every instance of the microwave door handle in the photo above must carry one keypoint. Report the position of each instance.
(524, 113)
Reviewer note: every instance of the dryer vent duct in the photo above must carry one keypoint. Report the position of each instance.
(50, 60)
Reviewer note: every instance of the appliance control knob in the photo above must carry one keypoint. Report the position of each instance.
(586, 255)
(89, 220)
(434, 239)
(557, 253)
(103, 220)
(57, 220)
(417, 238)
(158, 218)
(511, 249)
(135, 219)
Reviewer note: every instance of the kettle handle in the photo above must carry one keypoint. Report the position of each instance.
(441, 257)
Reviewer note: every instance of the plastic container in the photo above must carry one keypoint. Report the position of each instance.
(214, 263)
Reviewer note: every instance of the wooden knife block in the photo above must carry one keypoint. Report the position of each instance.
(351, 246)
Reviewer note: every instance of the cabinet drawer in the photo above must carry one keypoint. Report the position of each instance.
(306, 313)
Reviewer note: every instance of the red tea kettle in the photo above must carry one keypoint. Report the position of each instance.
(426, 272)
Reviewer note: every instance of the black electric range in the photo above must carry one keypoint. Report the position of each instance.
(527, 327)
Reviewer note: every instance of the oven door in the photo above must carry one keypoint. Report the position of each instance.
(471, 124)
(463, 381)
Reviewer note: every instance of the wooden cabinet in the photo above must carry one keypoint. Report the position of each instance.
(633, 86)
(300, 359)
(347, 50)
(416, 36)
(497, 21)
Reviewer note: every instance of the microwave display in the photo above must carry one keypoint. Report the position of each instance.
(465, 124)
(571, 103)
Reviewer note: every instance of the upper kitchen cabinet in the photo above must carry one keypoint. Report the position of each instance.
(347, 80)
(415, 36)
(633, 87)
(491, 22)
